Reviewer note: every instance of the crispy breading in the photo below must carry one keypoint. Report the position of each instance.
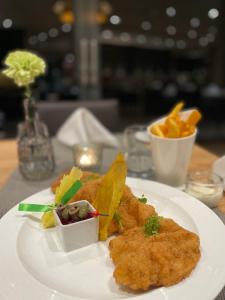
(142, 262)
(132, 212)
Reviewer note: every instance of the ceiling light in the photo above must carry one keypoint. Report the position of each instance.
(169, 43)
(32, 40)
(53, 32)
(146, 25)
(203, 41)
(106, 7)
(107, 34)
(69, 58)
(212, 29)
(181, 44)
(58, 7)
(213, 13)
(171, 11)
(192, 34)
(115, 20)
(195, 22)
(42, 37)
(210, 37)
(125, 36)
(141, 39)
(171, 30)
(7, 23)
(157, 41)
(66, 27)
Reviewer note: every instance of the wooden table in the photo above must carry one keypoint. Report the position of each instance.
(201, 160)
(8, 159)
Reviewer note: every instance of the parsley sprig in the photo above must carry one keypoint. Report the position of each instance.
(118, 220)
(152, 225)
(143, 199)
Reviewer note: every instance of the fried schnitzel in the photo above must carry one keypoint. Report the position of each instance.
(142, 262)
(132, 212)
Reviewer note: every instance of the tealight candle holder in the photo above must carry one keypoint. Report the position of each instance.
(205, 186)
(87, 156)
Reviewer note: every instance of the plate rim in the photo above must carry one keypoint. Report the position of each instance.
(133, 183)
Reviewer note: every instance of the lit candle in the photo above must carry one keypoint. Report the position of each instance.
(86, 157)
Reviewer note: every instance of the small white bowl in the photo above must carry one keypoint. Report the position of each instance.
(205, 186)
(78, 234)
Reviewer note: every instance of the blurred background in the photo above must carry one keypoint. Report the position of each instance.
(146, 54)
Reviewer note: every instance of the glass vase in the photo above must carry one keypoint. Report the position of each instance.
(35, 153)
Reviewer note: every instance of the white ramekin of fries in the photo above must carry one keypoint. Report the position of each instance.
(172, 138)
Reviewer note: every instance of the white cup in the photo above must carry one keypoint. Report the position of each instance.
(171, 156)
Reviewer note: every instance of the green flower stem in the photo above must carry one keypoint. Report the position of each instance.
(29, 105)
(27, 92)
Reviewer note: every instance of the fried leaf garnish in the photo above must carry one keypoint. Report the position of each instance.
(152, 225)
(66, 182)
(109, 193)
(48, 219)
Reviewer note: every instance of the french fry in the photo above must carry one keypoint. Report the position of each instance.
(194, 118)
(176, 109)
(174, 126)
(164, 129)
(173, 129)
(182, 125)
(157, 130)
(185, 133)
(192, 129)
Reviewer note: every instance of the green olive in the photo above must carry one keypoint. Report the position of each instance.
(83, 211)
(61, 207)
(73, 211)
(65, 213)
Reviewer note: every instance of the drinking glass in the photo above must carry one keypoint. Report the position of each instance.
(137, 151)
(205, 186)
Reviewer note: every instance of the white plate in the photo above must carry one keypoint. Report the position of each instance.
(32, 265)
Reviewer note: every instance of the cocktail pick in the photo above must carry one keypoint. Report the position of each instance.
(69, 186)
(35, 207)
(96, 213)
(46, 208)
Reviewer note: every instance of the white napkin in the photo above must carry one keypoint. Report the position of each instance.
(219, 168)
(83, 127)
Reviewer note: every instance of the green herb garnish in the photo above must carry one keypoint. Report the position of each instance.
(143, 199)
(118, 220)
(90, 178)
(152, 225)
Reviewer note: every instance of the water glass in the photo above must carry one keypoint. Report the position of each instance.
(137, 151)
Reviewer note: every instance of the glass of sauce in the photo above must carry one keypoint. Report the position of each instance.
(205, 186)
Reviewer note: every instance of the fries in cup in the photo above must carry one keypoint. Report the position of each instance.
(175, 126)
